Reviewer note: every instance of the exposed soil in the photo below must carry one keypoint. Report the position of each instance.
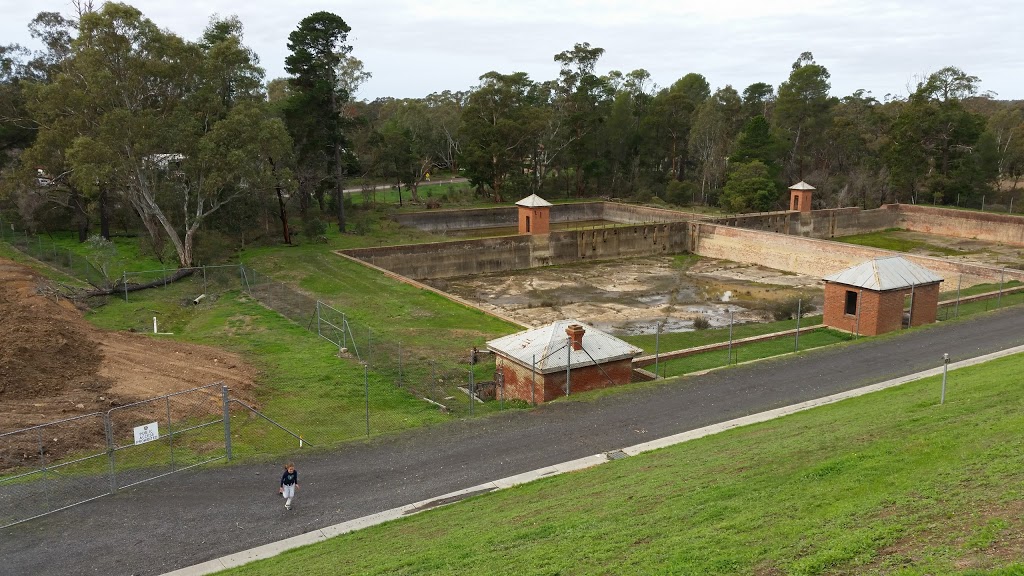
(54, 365)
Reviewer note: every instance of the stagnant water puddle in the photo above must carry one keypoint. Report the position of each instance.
(633, 296)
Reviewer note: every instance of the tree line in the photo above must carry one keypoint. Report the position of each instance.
(116, 123)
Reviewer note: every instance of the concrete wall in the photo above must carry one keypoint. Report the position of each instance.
(817, 223)
(821, 257)
(505, 253)
(999, 228)
(477, 218)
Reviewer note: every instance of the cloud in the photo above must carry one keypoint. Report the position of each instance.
(417, 47)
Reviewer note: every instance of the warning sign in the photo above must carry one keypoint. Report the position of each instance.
(146, 433)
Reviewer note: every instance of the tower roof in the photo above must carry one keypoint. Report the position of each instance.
(801, 185)
(886, 273)
(533, 201)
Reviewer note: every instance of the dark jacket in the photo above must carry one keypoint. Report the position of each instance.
(289, 478)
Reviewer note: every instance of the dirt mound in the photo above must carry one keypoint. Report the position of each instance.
(55, 365)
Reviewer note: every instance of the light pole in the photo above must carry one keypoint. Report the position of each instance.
(945, 368)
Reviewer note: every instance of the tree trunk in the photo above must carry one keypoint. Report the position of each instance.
(339, 189)
(81, 216)
(283, 209)
(104, 213)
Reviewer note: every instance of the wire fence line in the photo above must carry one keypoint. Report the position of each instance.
(56, 465)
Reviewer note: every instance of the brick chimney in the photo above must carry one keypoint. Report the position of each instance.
(575, 332)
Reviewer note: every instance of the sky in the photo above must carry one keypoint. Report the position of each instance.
(414, 48)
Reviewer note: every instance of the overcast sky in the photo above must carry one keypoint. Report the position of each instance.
(413, 48)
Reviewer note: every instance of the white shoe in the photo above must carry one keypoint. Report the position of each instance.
(288, 504)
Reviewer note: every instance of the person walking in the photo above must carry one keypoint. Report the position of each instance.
(289, 483)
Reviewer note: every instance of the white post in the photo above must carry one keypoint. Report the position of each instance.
(154, 325)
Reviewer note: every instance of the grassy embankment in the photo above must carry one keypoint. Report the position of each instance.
(889, 483)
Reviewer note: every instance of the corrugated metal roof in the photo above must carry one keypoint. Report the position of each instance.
(886, 273)
(533, 201)
(801, 185)
(549, 346)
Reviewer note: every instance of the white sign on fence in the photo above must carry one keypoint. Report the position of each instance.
(146, 433)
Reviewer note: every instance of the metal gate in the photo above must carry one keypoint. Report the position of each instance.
(57, 465)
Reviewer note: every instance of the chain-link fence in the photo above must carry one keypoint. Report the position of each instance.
(45, 250)
(53, 466)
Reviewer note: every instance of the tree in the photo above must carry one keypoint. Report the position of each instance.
(711, 135)
(673, 115)
(319, 48)
(758, 100)
(756, 142)
(179, 129)
(500, 124)
(802, 112)
(934, 138)
(749, 188)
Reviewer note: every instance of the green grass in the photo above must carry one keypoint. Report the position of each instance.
(748, 352)
(979, 289)
(895, 240)
(889, 483)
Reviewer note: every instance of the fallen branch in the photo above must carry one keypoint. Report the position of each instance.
(122, 288)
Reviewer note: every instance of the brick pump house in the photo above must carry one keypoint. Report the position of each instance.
(559, 359)
(534, 215)
(870, 298)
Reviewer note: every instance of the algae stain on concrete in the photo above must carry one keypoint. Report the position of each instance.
(632, 296)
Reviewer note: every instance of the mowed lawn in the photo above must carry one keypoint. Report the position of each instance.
(888, 483)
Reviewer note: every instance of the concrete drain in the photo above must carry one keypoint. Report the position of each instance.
(616, 455)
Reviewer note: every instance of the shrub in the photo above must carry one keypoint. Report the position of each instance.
(786, 309)
(701, 323)
(314, 228)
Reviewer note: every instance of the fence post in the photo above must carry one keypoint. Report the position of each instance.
(799, 308)
(910, 320)
(124, 282)
(860, 302)
(657, 345)
(109, 429)
(164, 273)
(945, 368)
(471, 390)
(205, 289)
(366, 387)
(956, 309)
(533, 381)
(344, 328)
(999, 300)
(42, 462)
(318, 333)
(227, 420)
(399, 363)
(170, 432)
(568, 365)
(729, 361)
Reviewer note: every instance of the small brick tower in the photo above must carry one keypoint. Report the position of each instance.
(800, 196)
(534, 215)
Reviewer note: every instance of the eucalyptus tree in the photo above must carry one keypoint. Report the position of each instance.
(179, 129)
(711, 135)
(673, 113)
(578, 107)
(500, 123)
(934, 137)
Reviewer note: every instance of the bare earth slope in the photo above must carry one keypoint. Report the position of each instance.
(55, 365)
